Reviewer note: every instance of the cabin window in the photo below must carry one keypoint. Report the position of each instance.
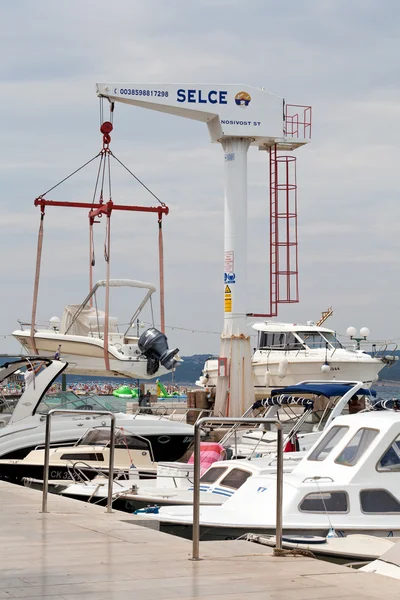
(323, 502)
(279, 341)
(212, 474)
(390, 461)
(235, 478)
(378, 501)
(359, 443)
(94, 456)
(313, 339)
(333, 341)
(328, 442)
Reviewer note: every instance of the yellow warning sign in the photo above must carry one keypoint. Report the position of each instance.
(228, 299)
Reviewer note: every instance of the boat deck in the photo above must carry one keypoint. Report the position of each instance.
(79, 552)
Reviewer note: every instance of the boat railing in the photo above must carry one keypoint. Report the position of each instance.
(75, 469)
(47, 451)
(173, 414)
(199, 425)
(386, 351)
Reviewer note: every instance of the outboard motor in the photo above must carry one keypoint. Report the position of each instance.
(154, 345)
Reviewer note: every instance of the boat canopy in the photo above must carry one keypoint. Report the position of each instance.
(322, 389)
(82, 321)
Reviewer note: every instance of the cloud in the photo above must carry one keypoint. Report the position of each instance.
(341, 57)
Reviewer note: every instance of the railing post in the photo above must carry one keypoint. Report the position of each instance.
(46, 463)
(111, 464)
(196, 474)
(279, 489)
(47, 451)
(196, 491)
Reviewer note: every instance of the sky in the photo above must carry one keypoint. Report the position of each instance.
(340, 56)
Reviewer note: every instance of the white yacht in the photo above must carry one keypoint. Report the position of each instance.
(79, 339)
(348, 483)
(25, 430)
(289, 353)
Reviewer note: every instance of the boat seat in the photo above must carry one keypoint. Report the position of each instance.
(210, 452)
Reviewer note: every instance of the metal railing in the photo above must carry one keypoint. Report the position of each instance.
(47, 451)
(196, 486)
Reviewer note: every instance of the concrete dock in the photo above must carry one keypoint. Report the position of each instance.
(79, 552)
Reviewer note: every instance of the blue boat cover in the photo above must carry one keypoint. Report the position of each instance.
(322, 389)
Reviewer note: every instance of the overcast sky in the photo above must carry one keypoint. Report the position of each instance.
(340, 56)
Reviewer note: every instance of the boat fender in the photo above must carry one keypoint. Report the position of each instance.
(282, 368)
(148, 510)
(267, 378)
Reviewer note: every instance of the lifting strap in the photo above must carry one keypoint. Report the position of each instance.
(36, 283)
(161, 269)
(107, 247)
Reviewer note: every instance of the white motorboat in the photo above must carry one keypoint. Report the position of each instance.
(173, 485)
(79, 339)
(288, 353)
(25, 431)
(348, 482)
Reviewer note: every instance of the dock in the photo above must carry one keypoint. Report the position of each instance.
(77, 551)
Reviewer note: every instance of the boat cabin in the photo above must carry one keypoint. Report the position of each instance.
(284, 337)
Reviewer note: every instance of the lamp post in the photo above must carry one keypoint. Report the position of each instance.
(352, 333)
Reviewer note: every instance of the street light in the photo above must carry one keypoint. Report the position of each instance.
(352, 333)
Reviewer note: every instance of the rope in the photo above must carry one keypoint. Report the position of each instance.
(293, 552)
(36, 284)
(138, 180)
(161, 268)
(70, 175)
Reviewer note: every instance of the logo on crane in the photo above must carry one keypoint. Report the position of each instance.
(242, 99)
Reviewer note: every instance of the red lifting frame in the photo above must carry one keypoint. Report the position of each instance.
(98, 210)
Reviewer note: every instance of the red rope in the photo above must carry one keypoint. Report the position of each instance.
(36, 283)
(161, 269)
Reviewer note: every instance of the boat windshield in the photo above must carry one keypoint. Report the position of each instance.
(315, 339)
(70, 401)
(123, 439)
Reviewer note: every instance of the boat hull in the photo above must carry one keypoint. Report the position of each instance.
(85, 355)
(213, 533)
(297, 369)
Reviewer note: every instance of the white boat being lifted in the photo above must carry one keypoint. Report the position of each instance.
(81, 340)
(287, 354)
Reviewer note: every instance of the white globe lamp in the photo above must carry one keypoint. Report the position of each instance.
(351, 331)
(364, 332)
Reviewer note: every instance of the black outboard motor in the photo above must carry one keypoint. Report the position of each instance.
(154, 345)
